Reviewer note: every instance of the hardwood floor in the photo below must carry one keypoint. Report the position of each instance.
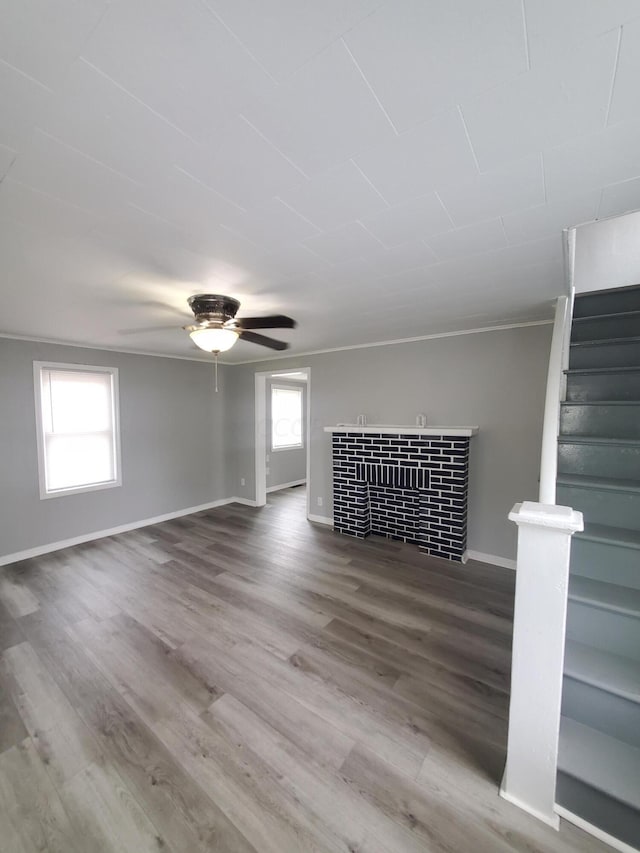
(244, 681)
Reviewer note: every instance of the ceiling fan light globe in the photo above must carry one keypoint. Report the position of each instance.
(214, 340)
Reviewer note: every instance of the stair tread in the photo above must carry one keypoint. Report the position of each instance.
(597, 342)
(606, 596)
(604, 763)
(605, 483)
(610, 535)
(607, 671)
(574, 371)
(611, 316)
(600, 403)
(571, 438)
(606, 292)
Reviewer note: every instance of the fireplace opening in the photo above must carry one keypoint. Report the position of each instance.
(395, 513)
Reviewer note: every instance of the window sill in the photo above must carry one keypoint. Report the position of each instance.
(77, 490)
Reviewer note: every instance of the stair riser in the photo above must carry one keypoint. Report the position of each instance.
(606, 355)
(617, 509)
(599, 328)
(595, 460)
(615, 632)
(601, 561)
(586, 387)
(610, 421)
(607, 302)
(598, 809)
(606, 712)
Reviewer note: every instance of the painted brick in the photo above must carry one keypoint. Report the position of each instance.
(406, 488)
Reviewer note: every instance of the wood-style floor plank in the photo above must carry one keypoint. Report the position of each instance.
(10, 632)
(243, 681)
(12, 729)
(17, 598)
(244, 786)
(106, 815)
(61, 738)
(186, 817)
(325, 742)
(33, 817)
(324, 795)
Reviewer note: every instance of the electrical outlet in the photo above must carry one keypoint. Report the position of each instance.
(267, 471)
(243, 482)
(319, 501)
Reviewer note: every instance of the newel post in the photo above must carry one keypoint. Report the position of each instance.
(544, 546)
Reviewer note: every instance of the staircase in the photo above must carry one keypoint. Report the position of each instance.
(599, 474)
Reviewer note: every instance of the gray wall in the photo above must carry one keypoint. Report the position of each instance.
(286, 466)
(172, 426)
(495, 380)
(183, 445)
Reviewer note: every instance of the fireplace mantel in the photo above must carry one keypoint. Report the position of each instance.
(401, 429)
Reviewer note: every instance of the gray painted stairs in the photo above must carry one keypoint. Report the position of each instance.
(599, 474)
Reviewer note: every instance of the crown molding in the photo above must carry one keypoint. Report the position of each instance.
(205, 360)
(398, 341)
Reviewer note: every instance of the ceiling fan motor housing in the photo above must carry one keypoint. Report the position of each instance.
(213, 306)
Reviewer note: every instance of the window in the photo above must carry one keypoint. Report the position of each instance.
(78, 431)
(286, 418)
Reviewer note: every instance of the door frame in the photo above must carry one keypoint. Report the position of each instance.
(260, 431)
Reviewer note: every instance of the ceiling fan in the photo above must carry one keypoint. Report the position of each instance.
(216, 328)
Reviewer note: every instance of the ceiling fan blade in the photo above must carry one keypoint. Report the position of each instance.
(263, 340)
(276, 321)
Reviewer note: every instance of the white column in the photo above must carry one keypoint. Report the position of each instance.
(544, 545)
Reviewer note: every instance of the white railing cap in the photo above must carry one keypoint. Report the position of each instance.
(547, 515)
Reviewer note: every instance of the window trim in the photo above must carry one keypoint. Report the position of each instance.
(38, 366)
(284, 387)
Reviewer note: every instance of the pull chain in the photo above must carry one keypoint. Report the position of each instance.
(216, 360)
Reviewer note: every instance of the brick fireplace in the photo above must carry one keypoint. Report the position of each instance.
(405, 483)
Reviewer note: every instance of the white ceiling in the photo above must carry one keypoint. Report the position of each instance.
(377, 170)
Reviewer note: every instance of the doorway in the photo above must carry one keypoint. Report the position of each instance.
(282, 433)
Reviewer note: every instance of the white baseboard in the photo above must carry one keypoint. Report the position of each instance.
(594, 830)
(146, 522)
(503, 562)
(321, 519)
(111, 531)
(286, 485)
(551, 820)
